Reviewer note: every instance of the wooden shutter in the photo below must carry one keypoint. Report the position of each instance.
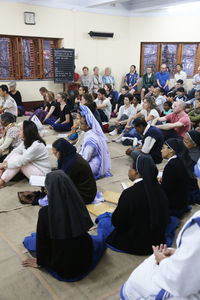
(16, 58)
(52, 46)
(197, 60)
(38, 58)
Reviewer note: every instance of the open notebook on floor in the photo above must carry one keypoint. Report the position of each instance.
(99, 208)
(37, 180)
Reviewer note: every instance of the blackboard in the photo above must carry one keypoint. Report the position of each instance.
(63, 65)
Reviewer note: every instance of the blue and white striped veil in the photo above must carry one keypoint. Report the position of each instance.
(97, 139)
(92, 122)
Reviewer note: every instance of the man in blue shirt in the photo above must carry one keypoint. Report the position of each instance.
(163, 78)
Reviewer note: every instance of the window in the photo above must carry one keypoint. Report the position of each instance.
(155, 54)
(26, 58)
(169, 56)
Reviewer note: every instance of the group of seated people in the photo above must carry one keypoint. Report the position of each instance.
(158, 127)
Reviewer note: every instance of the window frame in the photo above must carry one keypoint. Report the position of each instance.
(17, 61)
(179, 55)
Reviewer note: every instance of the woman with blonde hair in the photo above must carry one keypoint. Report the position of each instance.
(50, 109)
(108, 78)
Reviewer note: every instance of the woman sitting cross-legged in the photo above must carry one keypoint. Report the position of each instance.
(62, 242)
(31, 156)
(50, 109)
(10, 137)
(94, 149)
(141, 216)
(64, 121)
(77, 168)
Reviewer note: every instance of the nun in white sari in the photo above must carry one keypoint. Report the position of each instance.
(169, 273)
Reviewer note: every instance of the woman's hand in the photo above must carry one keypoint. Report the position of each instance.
(2, 167)
(161, 252)
(30, 262)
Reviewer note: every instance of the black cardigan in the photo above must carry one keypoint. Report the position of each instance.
(69, 258)
(83, 178)
(131, 220)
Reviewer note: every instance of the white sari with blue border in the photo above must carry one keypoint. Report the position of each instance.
(95, 149)
(176, 277)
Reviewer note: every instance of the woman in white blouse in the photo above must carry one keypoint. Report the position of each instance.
(31, 156)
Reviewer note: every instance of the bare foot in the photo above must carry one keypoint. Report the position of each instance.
(30, 262)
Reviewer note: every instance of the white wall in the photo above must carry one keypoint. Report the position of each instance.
(73, 27)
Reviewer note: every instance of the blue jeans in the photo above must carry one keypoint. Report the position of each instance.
(58, 126)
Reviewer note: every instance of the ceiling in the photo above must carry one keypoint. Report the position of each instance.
(124, 7)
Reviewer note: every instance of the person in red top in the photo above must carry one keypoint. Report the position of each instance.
(178, 122)
(72, 87)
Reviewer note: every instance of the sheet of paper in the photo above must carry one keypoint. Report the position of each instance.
(124, 185)
(37, 180)
(160, 173)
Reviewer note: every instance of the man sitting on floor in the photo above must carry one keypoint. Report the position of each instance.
(179, 122)
(152, 141)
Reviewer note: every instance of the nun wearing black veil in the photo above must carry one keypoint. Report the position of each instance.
(63, 245)
(178, 178)
(192, 142)
(141, 216)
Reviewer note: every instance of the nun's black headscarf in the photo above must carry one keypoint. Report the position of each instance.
(182, 153)
(68, 215)
(68, 155)
(194, 136)
(158, 202)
